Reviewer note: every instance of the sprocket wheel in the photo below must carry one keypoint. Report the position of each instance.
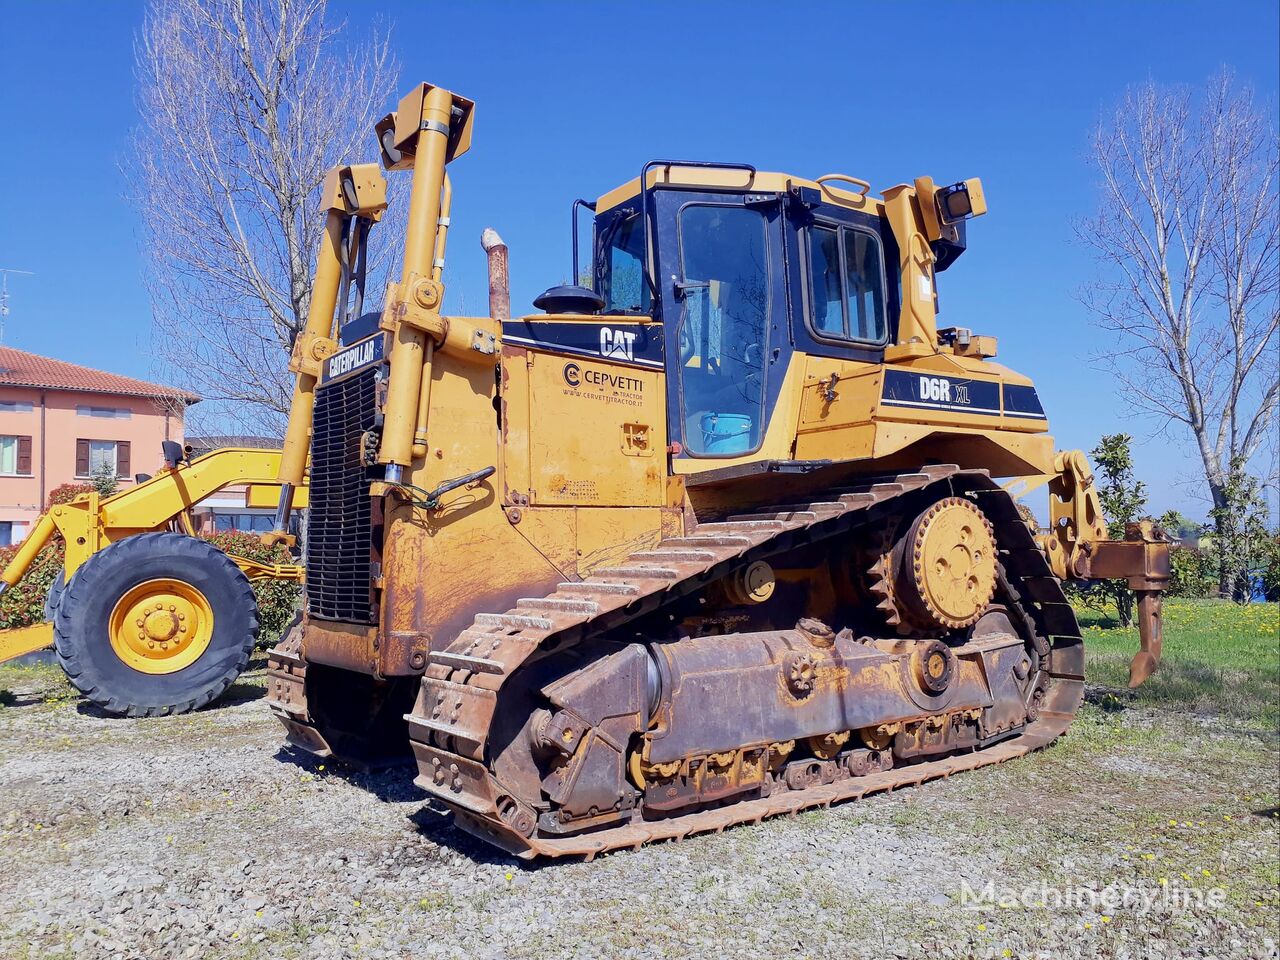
(940, 574)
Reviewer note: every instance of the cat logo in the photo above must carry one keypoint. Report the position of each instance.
(618, 344)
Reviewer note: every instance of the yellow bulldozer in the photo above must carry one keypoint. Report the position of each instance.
(725, 534)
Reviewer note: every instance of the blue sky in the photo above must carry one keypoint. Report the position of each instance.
(573, 98)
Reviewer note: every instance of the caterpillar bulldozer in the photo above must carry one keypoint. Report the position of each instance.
(724, 535)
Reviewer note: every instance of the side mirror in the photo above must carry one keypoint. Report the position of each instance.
(173, 453)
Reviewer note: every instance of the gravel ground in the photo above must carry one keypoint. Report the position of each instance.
(200, 837)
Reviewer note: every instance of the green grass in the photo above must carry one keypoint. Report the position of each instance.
(1219, 659)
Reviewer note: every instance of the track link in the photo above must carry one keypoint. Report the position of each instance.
(459, 695)
(287, 693)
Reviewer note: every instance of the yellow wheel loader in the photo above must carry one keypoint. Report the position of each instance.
(146, 618)
(724, 535)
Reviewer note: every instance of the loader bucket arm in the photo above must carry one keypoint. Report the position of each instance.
(1079, 548)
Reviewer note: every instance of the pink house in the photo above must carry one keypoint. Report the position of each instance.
(62, 423)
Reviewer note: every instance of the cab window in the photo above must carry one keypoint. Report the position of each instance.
(621, 276)
(846, 284)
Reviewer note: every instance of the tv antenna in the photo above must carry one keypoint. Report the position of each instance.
(4, 295)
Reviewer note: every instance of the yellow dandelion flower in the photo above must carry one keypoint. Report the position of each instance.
(357, 903)
(1088, 926)
(1206, 873)
(258, 913)
(1106, 919)
(1173, 823)
(1186, 876)
(510, 875)
(1226, 817)
(982, 928)
(1164, 881)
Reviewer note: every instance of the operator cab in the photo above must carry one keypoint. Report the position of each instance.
(746, 268)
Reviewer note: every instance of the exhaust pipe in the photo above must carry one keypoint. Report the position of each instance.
(499, 279)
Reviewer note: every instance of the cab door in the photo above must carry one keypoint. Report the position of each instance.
(724, 310)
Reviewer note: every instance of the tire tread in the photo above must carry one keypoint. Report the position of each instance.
(68, 641)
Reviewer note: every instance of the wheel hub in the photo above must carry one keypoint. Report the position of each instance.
(161, 626)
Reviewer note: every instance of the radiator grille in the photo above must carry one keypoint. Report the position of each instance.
(339, 534)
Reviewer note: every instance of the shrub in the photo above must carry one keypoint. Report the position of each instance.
(1270, 571)
(1193, 573)
(277, 599)
(66, 492)
(23, 605)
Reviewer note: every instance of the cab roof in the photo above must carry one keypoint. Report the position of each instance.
(836, 188)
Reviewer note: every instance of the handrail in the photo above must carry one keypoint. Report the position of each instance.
(845, 178)
(590, 205)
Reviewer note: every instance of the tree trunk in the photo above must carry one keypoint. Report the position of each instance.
(1222, 530)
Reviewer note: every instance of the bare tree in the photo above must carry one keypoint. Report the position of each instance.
(1188, 233)
(245, 104)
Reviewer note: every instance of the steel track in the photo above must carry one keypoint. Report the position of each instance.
(460, 691)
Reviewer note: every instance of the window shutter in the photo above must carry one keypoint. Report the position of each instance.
(24, 455)
(122, 458)
(82, 458)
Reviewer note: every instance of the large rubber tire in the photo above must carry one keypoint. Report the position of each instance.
(81, 627)
(56, 589)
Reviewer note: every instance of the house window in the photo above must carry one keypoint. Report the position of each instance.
(6, 533)
(15, 406)
(15, 456)
(98, 456)
(105, 413)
